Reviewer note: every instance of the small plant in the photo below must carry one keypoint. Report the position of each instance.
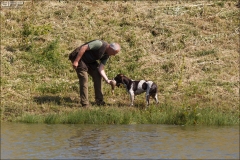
(204, 52)
(221, 3)
(168, 67)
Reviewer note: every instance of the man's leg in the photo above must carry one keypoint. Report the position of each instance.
(97, 81)
(83, 85)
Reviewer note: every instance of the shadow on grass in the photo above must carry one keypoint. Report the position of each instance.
(56, 100)
(74, 102)
(61, 101)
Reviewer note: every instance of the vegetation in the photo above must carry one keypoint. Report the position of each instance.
(153, 115)
(189, 48)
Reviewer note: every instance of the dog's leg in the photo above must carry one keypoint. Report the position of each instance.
(147, 99)
(147, 95)
(156, 98)
(131, 93)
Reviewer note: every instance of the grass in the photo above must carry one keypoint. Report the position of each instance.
(154, 115)
(190, 49)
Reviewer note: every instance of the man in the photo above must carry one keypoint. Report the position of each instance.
(85, 61)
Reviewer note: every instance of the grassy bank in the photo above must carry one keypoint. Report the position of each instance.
(153, 115)
(189, 48)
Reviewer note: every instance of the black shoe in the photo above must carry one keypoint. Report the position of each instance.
(100, 103)
(85, 106)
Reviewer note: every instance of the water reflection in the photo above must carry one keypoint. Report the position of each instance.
(31, 141)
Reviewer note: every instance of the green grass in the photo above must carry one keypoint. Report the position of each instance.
(153, 115)
(189, 49)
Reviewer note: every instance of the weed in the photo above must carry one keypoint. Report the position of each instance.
(204, 52)
(168, 67)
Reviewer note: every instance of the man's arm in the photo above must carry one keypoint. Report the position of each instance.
(79, 56)
(103, 74)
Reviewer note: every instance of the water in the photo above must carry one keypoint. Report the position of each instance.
(42, 141)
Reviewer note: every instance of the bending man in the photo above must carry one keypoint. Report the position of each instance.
(85, 61)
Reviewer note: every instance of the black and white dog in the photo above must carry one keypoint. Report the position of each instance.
(137, 87)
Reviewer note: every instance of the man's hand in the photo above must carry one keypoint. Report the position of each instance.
(79, 56)
(108, 81)
(75, 64)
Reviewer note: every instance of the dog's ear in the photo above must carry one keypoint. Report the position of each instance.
(121, 77)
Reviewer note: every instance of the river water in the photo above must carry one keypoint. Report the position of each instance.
(145, 141)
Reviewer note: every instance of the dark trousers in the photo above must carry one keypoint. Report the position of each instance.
(83, 84)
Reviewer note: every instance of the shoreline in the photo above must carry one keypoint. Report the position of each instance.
(161, 114)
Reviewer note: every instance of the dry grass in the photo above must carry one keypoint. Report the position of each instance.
(189, 48)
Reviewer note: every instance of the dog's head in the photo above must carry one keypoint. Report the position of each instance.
(119, 79)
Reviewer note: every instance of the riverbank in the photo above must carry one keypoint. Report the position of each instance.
(189, 49)
(161, 114)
